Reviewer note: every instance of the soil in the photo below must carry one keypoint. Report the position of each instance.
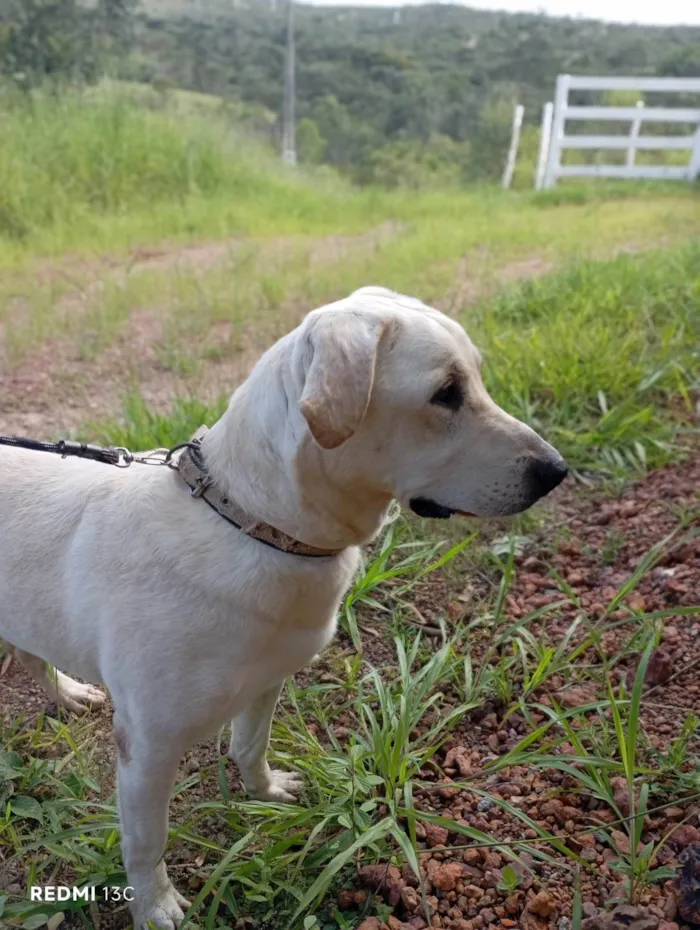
(56, 389)
(595, 541)
(590, 540)
(605, 539)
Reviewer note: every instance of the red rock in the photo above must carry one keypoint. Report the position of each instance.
(576, 695)
(685, 835)
(351, 897)
(622, 842)
(671, 906)
(492, 861)
(632, 916)
(542, 904)
(621, 794)
(435, 835)
(417, 923)
(674, 813)
(660, 667)
(472, 856)
(514, 902)
(395, 924)
(379, 877)
(530, 921)
(447, 875)
(410, 899)
(458, 758)
(372, 923)
(551, 808)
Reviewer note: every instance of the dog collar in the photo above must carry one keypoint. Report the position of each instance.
(193, 472)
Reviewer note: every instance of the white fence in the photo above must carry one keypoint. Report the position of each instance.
(554, 139)
(518, 114)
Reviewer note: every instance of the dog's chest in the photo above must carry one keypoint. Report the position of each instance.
(282, 623)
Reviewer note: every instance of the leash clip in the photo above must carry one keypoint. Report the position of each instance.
(202, 484)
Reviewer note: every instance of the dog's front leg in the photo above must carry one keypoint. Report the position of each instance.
(145, 776)
(249, 741)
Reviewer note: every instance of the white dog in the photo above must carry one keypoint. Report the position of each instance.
(128, 578)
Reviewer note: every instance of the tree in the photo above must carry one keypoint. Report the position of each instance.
(311, 146)
(60, 40)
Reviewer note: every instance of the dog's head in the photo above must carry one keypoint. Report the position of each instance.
(391, 391)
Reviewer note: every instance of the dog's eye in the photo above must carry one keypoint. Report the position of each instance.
(449, 395)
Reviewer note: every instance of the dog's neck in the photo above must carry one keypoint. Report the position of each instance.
(261, 454)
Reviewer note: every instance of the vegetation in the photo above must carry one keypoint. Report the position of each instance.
(424, 96)
(67, 163)
(61, 40)
(148, 252)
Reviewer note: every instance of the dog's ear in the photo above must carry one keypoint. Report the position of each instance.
(340, 375)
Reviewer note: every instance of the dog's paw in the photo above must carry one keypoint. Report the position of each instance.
(76, 696)
(282, 786)
(167, 913)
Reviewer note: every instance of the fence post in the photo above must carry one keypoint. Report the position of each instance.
(518, 114)
(561, 99)
(634, 135)
(694, 166)
(545, 138)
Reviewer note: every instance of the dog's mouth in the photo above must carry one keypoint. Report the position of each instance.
(425, 507)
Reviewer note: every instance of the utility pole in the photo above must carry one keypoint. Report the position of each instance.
(289, 148)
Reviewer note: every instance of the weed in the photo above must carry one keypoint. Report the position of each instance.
(396, 558)
(599, 355)
(510, 880)
(613, 545)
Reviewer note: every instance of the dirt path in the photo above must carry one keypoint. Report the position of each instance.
(57, 387)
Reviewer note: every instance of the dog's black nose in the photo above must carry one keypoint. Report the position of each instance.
(546, 474)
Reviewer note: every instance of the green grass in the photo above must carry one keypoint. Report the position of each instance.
(78, 173)
(599, 351)
(99, 172)
(288, 863)
(601, 357)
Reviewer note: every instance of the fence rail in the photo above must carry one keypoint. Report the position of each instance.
(672, 84)
(651, 114)
(657, 143)
(651, 172)
(554, 139)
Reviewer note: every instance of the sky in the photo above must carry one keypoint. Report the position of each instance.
(663, 12)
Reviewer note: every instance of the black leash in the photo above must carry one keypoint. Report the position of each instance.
(192, 471)
(108, 455)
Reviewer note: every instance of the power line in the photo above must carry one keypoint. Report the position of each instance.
(289, 148)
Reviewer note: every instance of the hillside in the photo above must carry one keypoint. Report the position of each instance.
(378, 90)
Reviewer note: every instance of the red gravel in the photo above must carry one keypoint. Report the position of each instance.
(593, 542)
(596, 547)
